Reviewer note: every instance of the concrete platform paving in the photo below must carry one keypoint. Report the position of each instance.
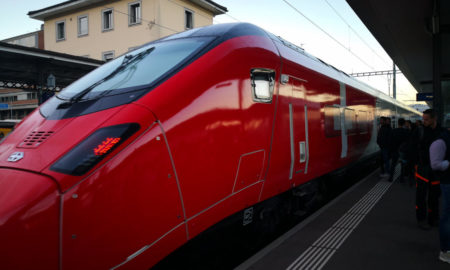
(370, 226)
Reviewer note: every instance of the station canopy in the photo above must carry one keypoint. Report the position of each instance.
(415, 34)
(29, 68)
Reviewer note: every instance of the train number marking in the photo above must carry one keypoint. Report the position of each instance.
(248, 216)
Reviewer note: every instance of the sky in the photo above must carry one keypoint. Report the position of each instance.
(347, 43)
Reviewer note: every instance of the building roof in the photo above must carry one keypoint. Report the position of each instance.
(70, 5)
(22, 36)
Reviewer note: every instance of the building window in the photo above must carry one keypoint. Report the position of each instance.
(8, 99)
(60, 30)
(31, 96)
(107, 20)
(134, 13)
(108, 56)
(188, 23)
(83, 26)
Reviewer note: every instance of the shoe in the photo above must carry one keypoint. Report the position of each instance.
(423, 224)
(445, 256)
(434, 223)
(402, 179)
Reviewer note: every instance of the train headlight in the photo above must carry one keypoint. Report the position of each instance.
(263, 81)
(93, 149)
(262, 89)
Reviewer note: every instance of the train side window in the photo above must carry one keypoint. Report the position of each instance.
(332, 121)
(263, 81)
(350, 121)
(363, 122)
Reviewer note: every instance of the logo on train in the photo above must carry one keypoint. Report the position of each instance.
(16, 156)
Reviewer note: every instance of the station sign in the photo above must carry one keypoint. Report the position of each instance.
(3, 106)
(424, 97)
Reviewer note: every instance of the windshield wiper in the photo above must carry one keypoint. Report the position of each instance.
(128, 59)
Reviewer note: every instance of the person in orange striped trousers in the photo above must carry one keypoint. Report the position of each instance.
(427, 185)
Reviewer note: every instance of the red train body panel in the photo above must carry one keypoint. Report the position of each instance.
(119, 179)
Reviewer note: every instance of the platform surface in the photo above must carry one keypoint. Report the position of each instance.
(370, 226)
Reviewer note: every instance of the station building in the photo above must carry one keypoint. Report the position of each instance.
(104, 29)
(79, 35)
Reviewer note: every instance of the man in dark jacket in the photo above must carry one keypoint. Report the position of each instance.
(383, 141)
(426, 211)
(399, 136)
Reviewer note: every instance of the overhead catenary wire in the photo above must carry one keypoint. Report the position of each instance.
(329, 35)
(368, 46)
(226, 14)
(148, 21)
(184, 7)
(295, 9)
(168, 28)
(356, 33)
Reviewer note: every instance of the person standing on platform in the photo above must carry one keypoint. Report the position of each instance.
(388, 122)
(439, 159)
(408, 125)
(400, 135)
(382, 122)
(426, 210)
(383, 141)
(417, 124)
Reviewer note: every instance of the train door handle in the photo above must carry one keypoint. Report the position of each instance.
(302, 151)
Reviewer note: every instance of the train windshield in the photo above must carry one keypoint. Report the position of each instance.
(134, 70)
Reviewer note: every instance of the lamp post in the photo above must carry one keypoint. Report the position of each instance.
(10, 107)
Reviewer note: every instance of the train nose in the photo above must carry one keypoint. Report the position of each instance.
(29, 221)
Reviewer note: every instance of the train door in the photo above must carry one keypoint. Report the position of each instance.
(298, 117)
(138, 211)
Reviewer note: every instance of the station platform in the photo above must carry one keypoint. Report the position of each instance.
(370, 226)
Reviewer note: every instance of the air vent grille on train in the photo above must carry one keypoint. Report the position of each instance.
(35, 138)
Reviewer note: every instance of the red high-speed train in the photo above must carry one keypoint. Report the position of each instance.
(146, 152)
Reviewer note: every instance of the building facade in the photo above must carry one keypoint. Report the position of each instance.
(105, 29)
(16, 103)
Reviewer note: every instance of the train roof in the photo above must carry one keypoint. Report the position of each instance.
(230, 30)
(339, 75)
(225, 31)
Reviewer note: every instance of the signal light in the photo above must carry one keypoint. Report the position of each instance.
(93, 149)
